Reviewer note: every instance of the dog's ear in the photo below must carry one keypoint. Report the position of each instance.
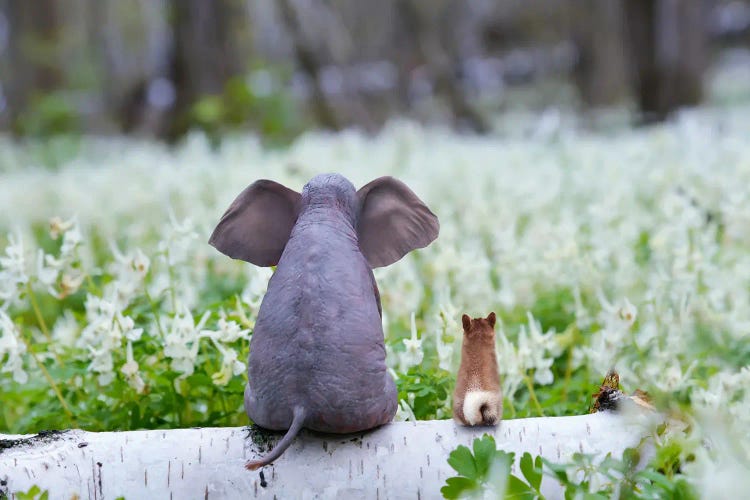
(491, 319)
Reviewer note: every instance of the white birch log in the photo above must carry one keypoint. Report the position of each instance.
(399, 460)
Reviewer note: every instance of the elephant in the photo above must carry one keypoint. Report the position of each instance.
(317, 353)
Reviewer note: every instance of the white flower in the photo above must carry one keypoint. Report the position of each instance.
(413, 354)
(66, 330)
(182, 341)
(130, 370)
(257, 285)
(57, 226)
(100, 327)
(141, 263)
(229, 331)
(178, 240)
(509, 363)
(127, 326)
(13, 273)
(102, 363)
(404, 413)
(230, 365)
(47, 276)
(130, 367)
(129, 271)
(11, 350)
(71, 240)
(69, 284)
(628, 313)
(536, 351)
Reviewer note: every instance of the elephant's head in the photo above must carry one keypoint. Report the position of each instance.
(389, 219)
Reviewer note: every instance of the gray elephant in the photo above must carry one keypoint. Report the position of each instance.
(317, 357)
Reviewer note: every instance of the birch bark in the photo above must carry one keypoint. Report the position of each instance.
(399, 460)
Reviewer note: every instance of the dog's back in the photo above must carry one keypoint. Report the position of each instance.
(478, 399)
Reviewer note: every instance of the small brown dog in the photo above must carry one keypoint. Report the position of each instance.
(478, 399)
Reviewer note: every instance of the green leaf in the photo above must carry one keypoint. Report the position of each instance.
(684, 491)
(500, 470)
(559, 470)
(595, 496)
(462, 461)
(32, 494)
(456, 486)
(571, 492)
(631, 457)
(656, 478)
(532, 470)
(484, 452)
(538, 466)
(518, 490)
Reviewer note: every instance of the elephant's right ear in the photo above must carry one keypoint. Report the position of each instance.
(257, 225)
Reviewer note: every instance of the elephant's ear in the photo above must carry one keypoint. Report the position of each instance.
(257, 225)
(393, 221)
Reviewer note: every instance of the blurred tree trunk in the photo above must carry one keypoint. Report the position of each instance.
(601, 71)
(667, 42)
(205, 55)
(129, 61)
(33, 46)
(310, 65)
(437, 44)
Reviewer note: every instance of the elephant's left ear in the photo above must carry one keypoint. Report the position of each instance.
(256, 227)
(393, 221)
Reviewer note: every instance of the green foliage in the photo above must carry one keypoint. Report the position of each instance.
(241, 106)
(426, 389)
(586, 477)
(489, 470)
(34, 493)
(48, 115)
(168, 399)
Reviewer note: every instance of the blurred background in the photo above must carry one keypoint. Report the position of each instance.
(160, 68)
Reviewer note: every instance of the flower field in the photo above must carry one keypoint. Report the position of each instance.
(621, 249)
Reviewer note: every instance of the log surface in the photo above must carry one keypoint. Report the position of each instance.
(399, 460)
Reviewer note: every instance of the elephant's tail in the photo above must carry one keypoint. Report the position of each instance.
(298, 421)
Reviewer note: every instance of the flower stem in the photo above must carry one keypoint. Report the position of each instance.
(532, 394)
(51, 381)
(42, 323)
(153, 310)
(92, 285)
(172, 295)
(512, 408)
(568, 375)
(38, 312)
(241, 313)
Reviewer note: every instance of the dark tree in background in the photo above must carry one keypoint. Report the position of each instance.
(436, 41)
(598, 31)
(205, 53)
(654, 50)
(33, 40)
(668, 44)
(310, 64)
(162, 67)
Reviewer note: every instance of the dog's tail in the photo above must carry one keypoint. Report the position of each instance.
(483, 407)
(298, 421)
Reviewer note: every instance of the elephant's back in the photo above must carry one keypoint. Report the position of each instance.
(319, 339)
